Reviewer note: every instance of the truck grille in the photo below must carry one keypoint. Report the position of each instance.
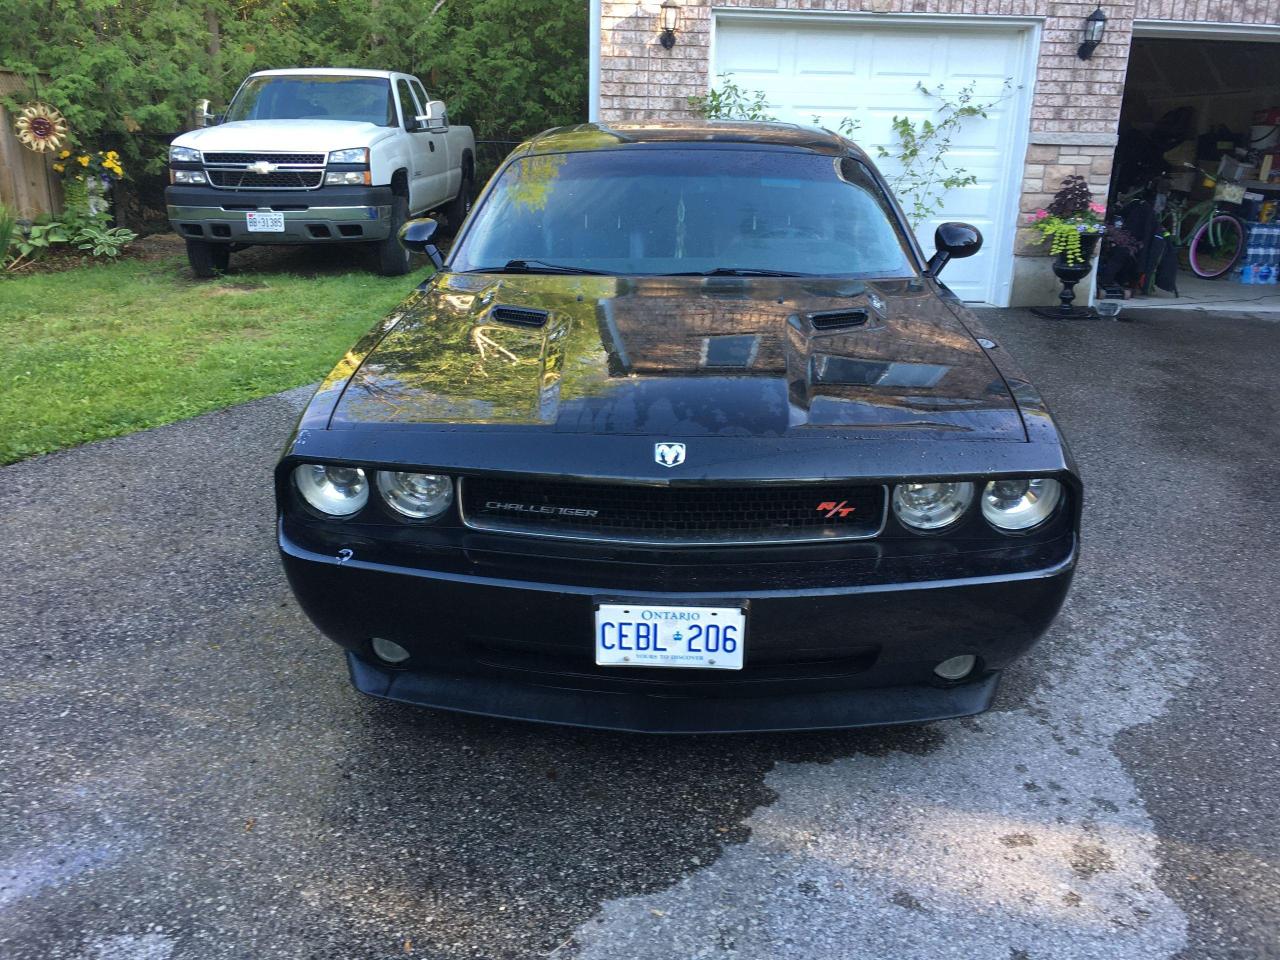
(659, 515)
(244, 159)
(265, 181)
(291, 171)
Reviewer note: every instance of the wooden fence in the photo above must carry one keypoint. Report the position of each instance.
(28, 185)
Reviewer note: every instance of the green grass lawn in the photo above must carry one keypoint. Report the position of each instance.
(103, 350)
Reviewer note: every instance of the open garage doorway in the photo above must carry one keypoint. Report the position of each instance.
(1197, 172)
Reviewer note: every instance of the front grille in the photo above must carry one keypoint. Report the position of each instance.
(282, 180)
(307, 159)
(634, 513)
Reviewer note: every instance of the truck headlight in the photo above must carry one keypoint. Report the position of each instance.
(183, 155)
(333, 490)
(188, 177)
(1020, 504)
(345, 178)
(354, 155)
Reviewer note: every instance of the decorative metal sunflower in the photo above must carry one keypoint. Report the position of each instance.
(40, 127)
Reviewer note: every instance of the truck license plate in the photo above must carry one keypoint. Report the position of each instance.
(640, 635)
(265, 221)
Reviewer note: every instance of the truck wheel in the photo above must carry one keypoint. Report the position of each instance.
(208, 259)
(460, 205)
(393, 259)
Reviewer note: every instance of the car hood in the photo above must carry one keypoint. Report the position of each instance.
(681, 357)
(300, 136)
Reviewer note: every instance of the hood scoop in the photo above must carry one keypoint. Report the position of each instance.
(838, 319)
(519, 316)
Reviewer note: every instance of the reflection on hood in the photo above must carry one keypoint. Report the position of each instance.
(684, 356)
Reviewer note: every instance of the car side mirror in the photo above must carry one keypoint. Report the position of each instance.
(436, 119)
(415, 236)
(952, 241)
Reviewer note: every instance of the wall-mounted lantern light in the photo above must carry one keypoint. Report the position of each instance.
(670, 13)
(1095, 24)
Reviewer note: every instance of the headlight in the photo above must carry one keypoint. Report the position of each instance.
(336, 491)
(354, 155)
(416, 495)
(347, 177)
(931, 506)
(187, 176)
(183, 155)
(1020, 504)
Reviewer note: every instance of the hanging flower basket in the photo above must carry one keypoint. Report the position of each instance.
(40, 127)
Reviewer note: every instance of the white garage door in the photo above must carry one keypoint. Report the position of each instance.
(870, 71)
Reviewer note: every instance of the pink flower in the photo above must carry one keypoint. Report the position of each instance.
(1037, 216)
(1099, 208)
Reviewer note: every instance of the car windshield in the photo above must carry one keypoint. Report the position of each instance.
(663, 210)
(360, 99)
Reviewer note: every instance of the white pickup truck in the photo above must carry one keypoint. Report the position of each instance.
(318, 156)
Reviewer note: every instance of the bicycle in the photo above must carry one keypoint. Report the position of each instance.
(1215, 239)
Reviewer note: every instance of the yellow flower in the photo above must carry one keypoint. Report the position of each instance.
(59, 167)
(64, 154)
(112, 155)
(84, 161)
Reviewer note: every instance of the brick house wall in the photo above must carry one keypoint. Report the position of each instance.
(1075, 106)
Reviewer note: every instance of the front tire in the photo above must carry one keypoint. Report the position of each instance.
(460, 205)
(1216, 247)
(208, 259)
(393, 259)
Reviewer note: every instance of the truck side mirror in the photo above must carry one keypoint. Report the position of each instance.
(952, 241)
(203, 117)
(415, 236)
(436, 119)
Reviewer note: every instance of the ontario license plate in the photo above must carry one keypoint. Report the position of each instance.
(265, 221)
(641, 635)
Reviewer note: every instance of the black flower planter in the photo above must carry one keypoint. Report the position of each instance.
(1070, 274)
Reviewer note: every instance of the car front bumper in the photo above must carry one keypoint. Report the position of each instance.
(328, 214)
(816, 658)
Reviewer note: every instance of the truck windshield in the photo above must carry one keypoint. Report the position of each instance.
(668, 210)
(359, 99)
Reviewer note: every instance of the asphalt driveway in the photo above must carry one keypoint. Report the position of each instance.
(185, 774)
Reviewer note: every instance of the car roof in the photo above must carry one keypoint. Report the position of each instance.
(324, 71)
(593, 136)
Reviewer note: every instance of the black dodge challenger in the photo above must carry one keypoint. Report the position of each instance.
(686, 435)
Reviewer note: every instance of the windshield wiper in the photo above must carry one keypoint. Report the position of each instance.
(537, 266)
(739, 272)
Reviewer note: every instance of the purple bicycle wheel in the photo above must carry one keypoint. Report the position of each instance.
(1216, 246)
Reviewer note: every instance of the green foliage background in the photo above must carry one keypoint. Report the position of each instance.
(125, 73)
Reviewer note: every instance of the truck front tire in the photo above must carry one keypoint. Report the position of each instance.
(208, 259)
(393, 259)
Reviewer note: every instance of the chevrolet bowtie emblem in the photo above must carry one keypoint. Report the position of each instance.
(262, 168)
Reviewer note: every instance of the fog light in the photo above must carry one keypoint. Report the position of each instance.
(957, 668)
(390, 652)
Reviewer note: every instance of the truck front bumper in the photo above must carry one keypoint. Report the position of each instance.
(329, 214)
